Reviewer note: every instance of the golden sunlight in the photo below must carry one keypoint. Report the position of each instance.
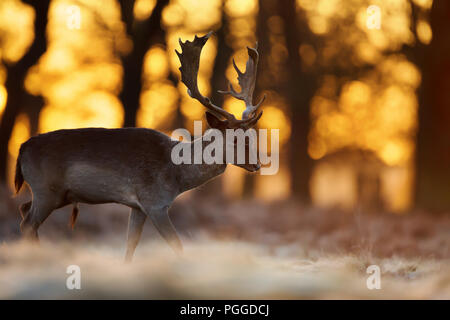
(16, 26)
(80, 70)
(20, 134)
(143, 9)
(273, 187)
(426, 4)
(158, 105)
(424, 32)
(238, 8)
(3, 97)
(95, 109)
(156, 64)
(275, 118)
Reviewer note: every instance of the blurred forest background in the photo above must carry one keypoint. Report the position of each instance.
(363, 115)
(363, 112)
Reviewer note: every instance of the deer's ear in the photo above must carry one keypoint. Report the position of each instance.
(215, 122)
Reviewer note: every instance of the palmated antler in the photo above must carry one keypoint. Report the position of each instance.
(190, 61)
(247, 82)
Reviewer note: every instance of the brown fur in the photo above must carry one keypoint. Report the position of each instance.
(130, 166)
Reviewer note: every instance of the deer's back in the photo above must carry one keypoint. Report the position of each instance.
(98, 162)
(126, 146)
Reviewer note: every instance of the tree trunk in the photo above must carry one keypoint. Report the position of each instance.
(14, 84)
(299, 91)
(143, 34)
(433, 137)
(33, 106)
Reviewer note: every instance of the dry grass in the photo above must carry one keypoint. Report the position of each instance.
(242, 249)
(210, 269)
(416, 234)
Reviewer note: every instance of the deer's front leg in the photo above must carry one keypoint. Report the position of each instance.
(162, 223)
(135, 226)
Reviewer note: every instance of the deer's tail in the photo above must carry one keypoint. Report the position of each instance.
(18, 179)
(73, 217)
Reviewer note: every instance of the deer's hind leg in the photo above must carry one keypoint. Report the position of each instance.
(135, 226)
(24, 208)
(39, 209)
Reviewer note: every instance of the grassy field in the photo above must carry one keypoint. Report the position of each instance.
(245, 249)
(211, 269)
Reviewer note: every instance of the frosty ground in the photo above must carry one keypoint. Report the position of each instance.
(244, 249)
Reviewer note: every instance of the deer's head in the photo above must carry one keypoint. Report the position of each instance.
(217, 117)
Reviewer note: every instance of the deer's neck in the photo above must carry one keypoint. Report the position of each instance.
(194, 175)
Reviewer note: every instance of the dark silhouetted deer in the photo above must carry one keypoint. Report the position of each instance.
(130, 166)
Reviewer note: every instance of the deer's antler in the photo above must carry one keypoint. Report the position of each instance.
(247, 82)
(190, 61)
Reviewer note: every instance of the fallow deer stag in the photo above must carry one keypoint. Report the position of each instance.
(130, 166)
